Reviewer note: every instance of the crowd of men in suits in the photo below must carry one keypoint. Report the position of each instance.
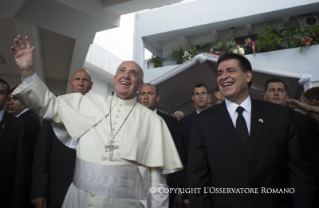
(238, 144)
(279, 152)
(38, 167)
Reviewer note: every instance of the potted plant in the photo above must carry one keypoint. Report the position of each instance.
(177, 54)
(157, 61)
(226, 45)
(269, 39)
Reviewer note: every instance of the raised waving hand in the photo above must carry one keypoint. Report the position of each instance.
(23, 55)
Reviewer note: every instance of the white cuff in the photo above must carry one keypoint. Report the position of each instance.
(63, 135)
(166, 172)
(28, 81)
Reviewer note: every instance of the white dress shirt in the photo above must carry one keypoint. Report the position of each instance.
(232, 107)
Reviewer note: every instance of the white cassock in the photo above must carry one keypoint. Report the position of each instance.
(145, 150)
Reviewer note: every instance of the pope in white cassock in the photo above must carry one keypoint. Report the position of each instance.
(123, 148)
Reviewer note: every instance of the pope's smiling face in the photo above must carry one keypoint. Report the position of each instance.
(232, 81)
(128, 80)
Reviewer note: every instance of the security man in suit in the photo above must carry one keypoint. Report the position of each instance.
(149, 97)
(244, 152)
(20, 110)
(15, 156)
(54, 162)
(200, 98)
(305, 126)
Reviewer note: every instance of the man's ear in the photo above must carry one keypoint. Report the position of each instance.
(193, 98)
(217, 95)
(70, 84)
(265, 97)
(158, 98)
(140, 86)
(249, 76)
(91, 85)
(114, 81)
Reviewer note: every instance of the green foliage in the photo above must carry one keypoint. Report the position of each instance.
(157, 61)
(226, 45)
(274, 38)
(192, 50)
(269, 39)
(292, 36)
(314, 33)
(177, 55)
(201, 44)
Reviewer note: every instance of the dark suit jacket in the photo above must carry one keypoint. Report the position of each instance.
(178, 179)
(274, 159)
(185, 129)
(307, 130)
(34, 124)
(15, 162)
(53, 167)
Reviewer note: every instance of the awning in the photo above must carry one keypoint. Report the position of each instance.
(176, 86)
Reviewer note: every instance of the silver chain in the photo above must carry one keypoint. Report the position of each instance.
(110, 146)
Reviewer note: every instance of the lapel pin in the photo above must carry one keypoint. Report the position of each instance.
(3, 126)
(261, 120)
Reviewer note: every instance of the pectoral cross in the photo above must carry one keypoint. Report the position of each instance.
(110, 147)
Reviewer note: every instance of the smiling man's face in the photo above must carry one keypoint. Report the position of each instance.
(128, 80)
(232, 81)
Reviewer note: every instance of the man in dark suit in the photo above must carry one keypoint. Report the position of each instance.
(200, 98)
(305, 126)
(15, 157)
(244, 152)
(53, 168)
(53, 164)
(149, 97)
(18, 109)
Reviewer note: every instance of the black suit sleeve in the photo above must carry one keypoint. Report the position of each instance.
(180, 176)
(309, 134)
(23, 163)
(198, 168)
(300, 175)
(183, 138)
(33, 123)
(40, 168)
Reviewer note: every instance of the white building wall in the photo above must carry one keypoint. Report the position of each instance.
(168, 47)
(306, 62)
(99, 86)
(205, 12)
(103, 59)
(102, 66)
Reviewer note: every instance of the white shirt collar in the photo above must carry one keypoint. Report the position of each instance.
(25, 110)
(1, 114)
(125, 102)
(119, 100)
(232, 107)
(155, 111)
